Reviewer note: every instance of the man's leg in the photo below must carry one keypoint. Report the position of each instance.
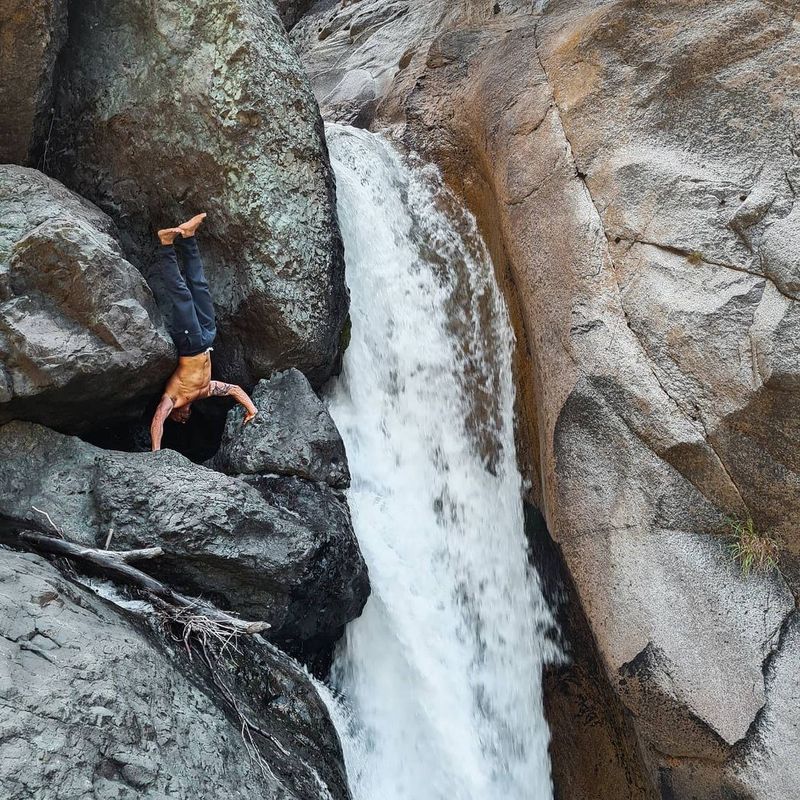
(197, 285)
(184, 325)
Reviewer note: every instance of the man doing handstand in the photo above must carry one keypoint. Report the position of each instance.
(193, 327)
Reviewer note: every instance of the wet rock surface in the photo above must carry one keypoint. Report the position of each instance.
(216, 116)
(642, 229)
(32, 33)
(81, 338)
(96, 701)
(293, 434)
(287, 555)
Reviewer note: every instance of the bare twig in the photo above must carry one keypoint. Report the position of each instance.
(43, 159)
(213, 640)
(49, 519)
(247, 727)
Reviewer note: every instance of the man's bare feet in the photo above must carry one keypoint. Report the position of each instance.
(191, 225)
(167, 235)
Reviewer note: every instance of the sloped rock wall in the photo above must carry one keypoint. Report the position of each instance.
(634, 211)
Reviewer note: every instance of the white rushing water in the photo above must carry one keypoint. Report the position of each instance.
(440, 678)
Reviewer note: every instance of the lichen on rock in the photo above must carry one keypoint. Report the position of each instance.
(216, 116)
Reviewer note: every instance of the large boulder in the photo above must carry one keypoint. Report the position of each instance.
(286, 555)
(81, 339)
(32, 32)
(172, 108)
(641, 222)
(96, 702)
(293, 434)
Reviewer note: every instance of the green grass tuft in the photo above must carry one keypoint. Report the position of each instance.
(694, 257)
(753, 551)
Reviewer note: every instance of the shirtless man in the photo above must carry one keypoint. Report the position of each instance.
(193, 327)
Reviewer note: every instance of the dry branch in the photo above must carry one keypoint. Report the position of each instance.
(116, 566)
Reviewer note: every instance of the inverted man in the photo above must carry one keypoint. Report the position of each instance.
(193, 327)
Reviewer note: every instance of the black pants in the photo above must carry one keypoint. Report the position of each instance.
(192, 324)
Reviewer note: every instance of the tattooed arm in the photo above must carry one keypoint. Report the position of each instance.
(220, 389)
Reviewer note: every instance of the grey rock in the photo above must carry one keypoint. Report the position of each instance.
(292, 561)
(355, 52)
(767, 765)
(217, 116)
(325, 513)
(98, 703)
(293, 434)
(779, 252)
(292, 10)
(81, 340)
(43, 474)
(32, 32)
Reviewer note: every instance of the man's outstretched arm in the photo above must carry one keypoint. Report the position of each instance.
(220, 389)
(157, 425)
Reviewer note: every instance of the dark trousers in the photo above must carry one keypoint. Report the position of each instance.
(192, 324)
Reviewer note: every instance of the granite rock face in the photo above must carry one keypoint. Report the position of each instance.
(642, 226)
(97, 702)
(354, 52)
(217, 116)
(292, 10)
(293, 434)
(32, 32)
(287, 556)
(81, 339)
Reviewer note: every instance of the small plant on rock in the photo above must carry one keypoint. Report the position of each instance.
(753, 551)
(694, 258)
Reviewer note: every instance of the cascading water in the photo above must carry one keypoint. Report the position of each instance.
(441, 675)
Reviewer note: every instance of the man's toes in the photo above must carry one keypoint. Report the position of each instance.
(191, 225)
(167, 235)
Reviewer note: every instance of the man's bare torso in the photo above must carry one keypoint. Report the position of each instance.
(191, 379)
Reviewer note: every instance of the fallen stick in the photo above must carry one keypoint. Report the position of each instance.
(116, 564)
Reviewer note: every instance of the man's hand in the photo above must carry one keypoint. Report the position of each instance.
(220, 389)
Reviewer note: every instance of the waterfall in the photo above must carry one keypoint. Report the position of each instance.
(439, 681)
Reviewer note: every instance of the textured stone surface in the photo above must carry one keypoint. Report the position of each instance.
(353, 52)
(767, 766)
(41, 473)
(641, 222)
(81, 339)
(291, 560)
(216, 116)
(32, 33)
(293, 434)
(292, 10)
(95, 703)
